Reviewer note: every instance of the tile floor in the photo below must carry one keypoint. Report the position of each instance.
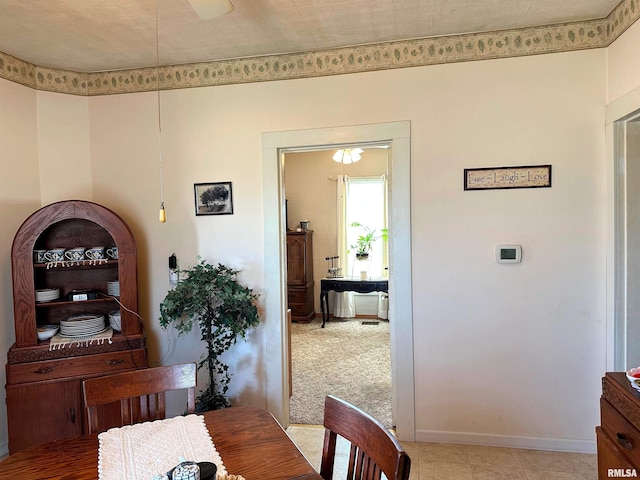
(438, 461)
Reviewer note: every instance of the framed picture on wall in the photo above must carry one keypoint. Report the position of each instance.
(214, 198)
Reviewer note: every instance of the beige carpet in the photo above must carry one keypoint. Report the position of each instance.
(347, 359)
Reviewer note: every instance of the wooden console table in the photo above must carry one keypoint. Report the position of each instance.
(348, 285)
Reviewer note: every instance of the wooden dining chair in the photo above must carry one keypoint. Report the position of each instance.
(374, 450)
(140, 394)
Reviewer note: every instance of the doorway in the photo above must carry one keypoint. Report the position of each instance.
(627, 241)
(397, 135)
(340, 204)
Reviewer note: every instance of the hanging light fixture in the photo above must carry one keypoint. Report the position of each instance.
(162, 215)
(208, 9)
(348, 155)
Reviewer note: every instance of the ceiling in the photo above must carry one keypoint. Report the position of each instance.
(104, 35)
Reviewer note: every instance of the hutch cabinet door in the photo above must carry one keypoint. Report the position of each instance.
(45, 411)
(296, 259)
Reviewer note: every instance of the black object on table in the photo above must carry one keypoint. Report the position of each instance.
(348, 285)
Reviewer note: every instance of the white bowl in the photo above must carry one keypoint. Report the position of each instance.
(45, 332)
(635, 381)
(115, 321)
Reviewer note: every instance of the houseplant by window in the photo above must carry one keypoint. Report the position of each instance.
(223, 309)
(364, 241)
(362, 246)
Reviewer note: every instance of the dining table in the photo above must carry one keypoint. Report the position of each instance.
(251, 443)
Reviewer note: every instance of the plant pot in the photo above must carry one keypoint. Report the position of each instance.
(362, 266)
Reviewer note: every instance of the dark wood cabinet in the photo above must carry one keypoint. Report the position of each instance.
(44, 397)
(300, 276)
(618, 436)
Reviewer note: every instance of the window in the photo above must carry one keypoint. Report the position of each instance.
(366, 202)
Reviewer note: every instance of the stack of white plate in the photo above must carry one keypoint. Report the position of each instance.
(114, 320)
(113, 288)
(82, 325)
(47, 294)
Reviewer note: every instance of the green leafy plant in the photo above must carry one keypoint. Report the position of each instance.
(212, 298)
(365, 240)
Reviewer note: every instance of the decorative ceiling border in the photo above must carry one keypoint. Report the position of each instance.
(365, 58)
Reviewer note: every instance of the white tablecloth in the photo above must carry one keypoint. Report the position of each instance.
(137, 452)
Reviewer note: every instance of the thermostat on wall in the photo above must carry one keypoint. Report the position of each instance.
(508, 253)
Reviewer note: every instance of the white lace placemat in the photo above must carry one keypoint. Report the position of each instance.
(140, 451)
(58, 342)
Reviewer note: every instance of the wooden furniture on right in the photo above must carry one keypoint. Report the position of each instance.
(300, 276)
(374, 449)
(44, 380)
(249, 440)
(618, 435)
(140, 393)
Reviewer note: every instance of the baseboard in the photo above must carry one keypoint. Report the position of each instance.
(533, 443)
(319, 315)
(4, 450)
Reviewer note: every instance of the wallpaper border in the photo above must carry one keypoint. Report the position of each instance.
(364, 58)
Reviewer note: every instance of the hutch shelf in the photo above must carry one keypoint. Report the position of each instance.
(44, 381)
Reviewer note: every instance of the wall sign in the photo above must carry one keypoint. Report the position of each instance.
(491, 178)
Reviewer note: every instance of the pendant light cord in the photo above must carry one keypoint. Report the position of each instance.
(162, 213)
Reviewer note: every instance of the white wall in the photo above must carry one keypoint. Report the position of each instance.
(515, 350)
(19, 197)
(507, 354)
(624, 100)
(622, 68)
(63, 146)
(516, 325)
(204, 139)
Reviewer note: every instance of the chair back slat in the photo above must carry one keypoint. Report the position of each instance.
(140, 394)
(374, 450)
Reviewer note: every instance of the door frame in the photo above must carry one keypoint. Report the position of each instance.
(617, 114)
(398, 136)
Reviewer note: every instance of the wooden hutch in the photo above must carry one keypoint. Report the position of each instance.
(618, 436)
(300, 276)
(44, 385)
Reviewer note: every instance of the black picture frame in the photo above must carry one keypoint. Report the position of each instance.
(213, 198)
(495, 178)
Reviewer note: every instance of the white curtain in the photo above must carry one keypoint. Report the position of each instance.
(383, 305)
(344, 304)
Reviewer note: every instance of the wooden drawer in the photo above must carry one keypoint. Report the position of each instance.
(609, 456)
(622, 433)
(297, 295)
(298, 310)
(76, 366)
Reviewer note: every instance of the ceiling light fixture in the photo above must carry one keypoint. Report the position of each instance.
(348, 155)
(208, 9)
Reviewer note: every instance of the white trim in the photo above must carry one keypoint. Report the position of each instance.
(509, 441)
(622, 106)
(617, 111)
(398, 136)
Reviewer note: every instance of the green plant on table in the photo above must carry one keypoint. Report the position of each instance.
(364, 241)
(223, 310)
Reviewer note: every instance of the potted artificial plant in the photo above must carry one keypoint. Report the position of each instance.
(223, 309)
